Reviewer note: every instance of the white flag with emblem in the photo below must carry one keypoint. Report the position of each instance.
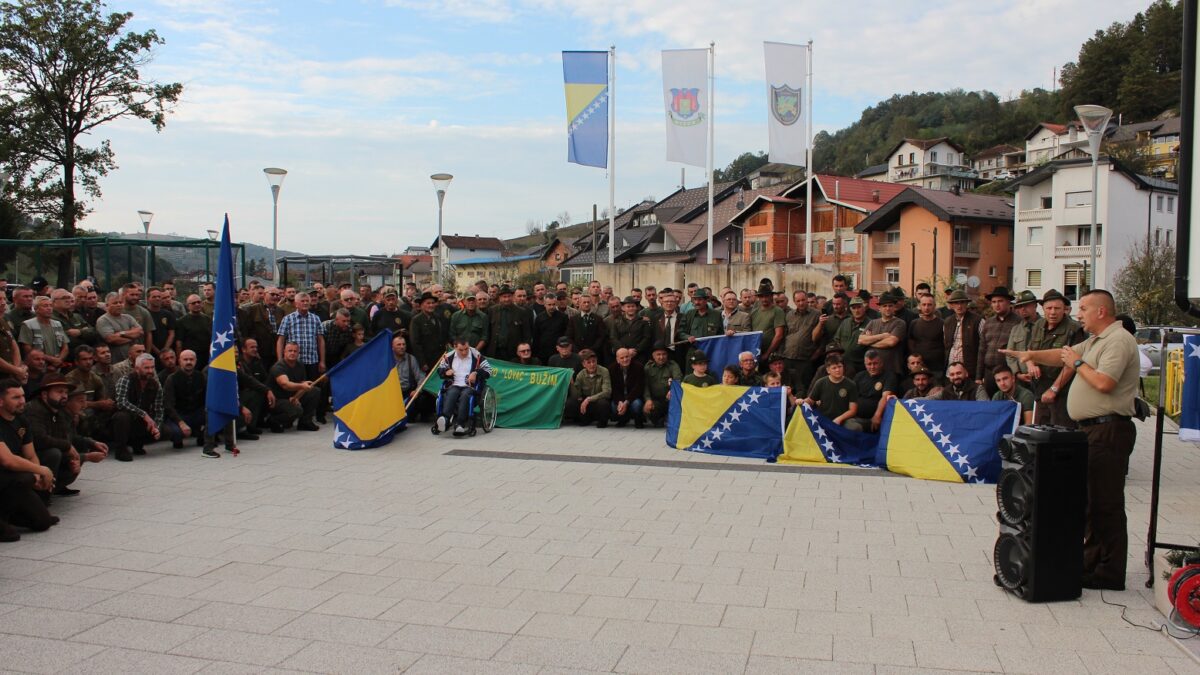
(787, 66)
(686, 92)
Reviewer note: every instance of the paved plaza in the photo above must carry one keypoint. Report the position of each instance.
(549, 558)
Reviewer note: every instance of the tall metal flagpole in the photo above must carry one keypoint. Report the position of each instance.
(808, 170)
(712, 79)
(612, 156)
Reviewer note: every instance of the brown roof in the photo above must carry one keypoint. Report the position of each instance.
(996, 151)
(855, 192)
(724, 209)
(1058, 129)
(476, 242)
(925, 144)
(944, 204)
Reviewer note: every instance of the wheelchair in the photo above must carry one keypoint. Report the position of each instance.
(482, 406)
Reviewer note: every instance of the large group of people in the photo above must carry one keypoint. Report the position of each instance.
(85, 375)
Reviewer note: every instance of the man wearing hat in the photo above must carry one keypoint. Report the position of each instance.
(1052, 383)
(887, 335)
(549, 326)
(390, 315)
(591, 392)
(509, 326)
(659, 373)
(769, 319)
(961, 332)
(565, 356)
(425, 334)
(54, 439)
(699, 377)
(850, 330)
(1025, 307)
(471, 323)
(702, 321)
(993, 336)
(629, 331)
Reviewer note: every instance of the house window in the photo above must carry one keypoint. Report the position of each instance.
(1170, 204)
(1035, 236)
(1047, 202)
(1157, 235)
(992, 271)
(1168, 237)
(891, 236)
(960, 271)
(1034, 278)
(1079, 198)
(1083, 235)
(933, 155)
(818, 247)
(962, 235)
(830, 246)
(850, 245)
(893, 275)
(758, 251)
(912, 158)
(1159, 206)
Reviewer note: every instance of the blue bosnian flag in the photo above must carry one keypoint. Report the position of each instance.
(221, 398)
(585, 77)
(1189, 419)
(813, 438)
(955, 441)
(727, 420)
(723, 350)
(368, 405)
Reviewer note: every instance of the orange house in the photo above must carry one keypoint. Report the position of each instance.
(937, 235)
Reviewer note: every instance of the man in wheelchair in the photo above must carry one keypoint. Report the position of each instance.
(464, 372)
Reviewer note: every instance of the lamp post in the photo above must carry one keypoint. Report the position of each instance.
(212, 236)
(275, 177)
(145, 217)
(1094, 119)
(441, 181)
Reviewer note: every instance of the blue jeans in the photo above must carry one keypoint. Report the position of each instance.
(194, 419)
(457, 401)
(632, 412)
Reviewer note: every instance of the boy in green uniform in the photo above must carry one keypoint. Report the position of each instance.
(699, 375)
(834, 395)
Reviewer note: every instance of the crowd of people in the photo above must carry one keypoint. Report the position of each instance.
(86, 374)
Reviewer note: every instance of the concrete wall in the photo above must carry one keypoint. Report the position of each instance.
(624, 276)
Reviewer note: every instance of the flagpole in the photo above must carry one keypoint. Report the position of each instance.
(809, 162)
(712, 48)
(612, 156)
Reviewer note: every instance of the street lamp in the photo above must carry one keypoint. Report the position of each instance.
(275, 177)
(212, 236)
(145, 217)
(441, 181)
(1094, 119)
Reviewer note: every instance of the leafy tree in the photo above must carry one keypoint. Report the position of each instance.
(1144, 288)
(68, 70)
(744, 165)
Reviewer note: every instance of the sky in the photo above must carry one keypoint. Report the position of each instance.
(361, 100)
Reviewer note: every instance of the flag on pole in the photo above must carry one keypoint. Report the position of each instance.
(368, 405)
(685, 94)
(585, 77)
(787, 68)
(221, 398)
(1189, 418)
(723, 350)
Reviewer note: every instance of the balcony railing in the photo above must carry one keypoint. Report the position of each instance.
(878, 287)
(885, 249)
(1077, 251)
(966, 249)
(956, 170)
(1035, 214)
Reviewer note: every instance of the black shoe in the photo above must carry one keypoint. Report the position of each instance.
(601, 425)
(247, 436)
(42, 527)
(277, 428)
(253, 431)
(44, 496)
(210, 453)
(321, 419)
(8, 533)
(622, 424)
(139, 450)
(123, 455)
(177, 444)
(639, 424)
(64, 491)
(307, 426)
(1096, 583)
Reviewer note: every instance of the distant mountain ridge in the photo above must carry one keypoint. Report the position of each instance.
(192, 259)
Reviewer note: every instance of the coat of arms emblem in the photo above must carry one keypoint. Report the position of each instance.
(685, 106)
(785, 104)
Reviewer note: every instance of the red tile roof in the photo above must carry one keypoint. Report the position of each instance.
(857, 193)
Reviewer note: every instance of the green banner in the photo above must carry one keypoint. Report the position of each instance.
(527, 397)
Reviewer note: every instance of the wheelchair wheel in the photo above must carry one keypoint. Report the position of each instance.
(487, 410)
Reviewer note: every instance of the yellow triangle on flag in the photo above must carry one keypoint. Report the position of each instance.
(224, 361)
(799, 444)
(375, 410)
(701, 408)
(580, 96)
(910, 452)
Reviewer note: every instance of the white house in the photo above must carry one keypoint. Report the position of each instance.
(449, 249)
(934, 163)
(1053, 206)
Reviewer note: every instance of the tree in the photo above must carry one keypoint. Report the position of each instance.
(68, 70)
(745, 164)
(563, 219)
(1144, 288)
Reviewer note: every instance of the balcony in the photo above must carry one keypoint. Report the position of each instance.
(885, 249)
(878, 287)
(966, 249)
(1077, 251)
(953, 170)
(1028, 215)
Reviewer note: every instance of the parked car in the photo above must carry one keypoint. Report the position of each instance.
(1149, 339)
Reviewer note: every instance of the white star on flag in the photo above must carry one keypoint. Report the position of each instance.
(716, 434)
(962, 460)
(813, 419)
(735, 416)
(744, 406)
(754, 397)
(726, 425)
(972, 472)
(819, 431)
(222, 339)
(935, 429)
(828, 445)
(918, 408)
(944, 440)
(1195, 350)
(927, 419)
(707, 443)
(834, 457)
(954, 450)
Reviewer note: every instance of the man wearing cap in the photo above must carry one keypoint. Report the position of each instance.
(591, 393)
(886, 335)
(659, 373)
(55, 441)
(849, 332)
(549, 327)
(425, 334)
(701, 322)
(470, 323)
(260, 320)
(1101, 401)
(1025, 307)
(699, 375)
(586, 330)
(630, 332)
(960, 332)
(390, 315)
(926, 335)
(565, 356)
(993, 336)
(768, 318)
(509, 326)
(922, 385)
(1051, 384)
(875, 385)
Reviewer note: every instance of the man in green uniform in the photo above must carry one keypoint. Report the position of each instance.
(701, 321)
(425, 334)
(849, 332)
(660, 372)
(510, 326)
(470, 323)
(1052, 383)
(769, 319)
(629, 331)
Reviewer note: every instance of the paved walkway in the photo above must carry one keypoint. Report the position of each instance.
(298, 557)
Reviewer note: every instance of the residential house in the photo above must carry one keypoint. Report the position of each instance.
(1049, 141)
(494, 270)
(999, 162)
(450, 249)
(935, 163)
(1054, 219)
(878, 173)
(1157, 140)
(937, 235)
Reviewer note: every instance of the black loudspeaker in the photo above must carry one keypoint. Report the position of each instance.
(1042, 495)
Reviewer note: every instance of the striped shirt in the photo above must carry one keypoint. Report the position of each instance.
(303, 329)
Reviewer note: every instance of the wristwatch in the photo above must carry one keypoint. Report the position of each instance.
(1054, 388)
(1078, 362)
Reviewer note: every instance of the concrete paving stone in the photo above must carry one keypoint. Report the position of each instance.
(546, 601)
(50, 623)
(418, 590)
(363, 584)
(864, 649)
(330, 657)
(529, 545)
(768, 665)
(422, 612)
(590, 584)
(997, 633)
(713, 639)
(1119, 664)
(117, 660)
(482, 596)
(118, 580)
(801, 598)
(343, 629)
(475, 574)
(446, 641)
(235, 591)
(727, 594)
(416, 569)
(56, 596)
(644, 633)
(188, 566)
(760, 618)
(1082, 639)
(356, 605)
(577, 549)
(1016, 659)
(438, 665)
(537, 581)
(148, 636)
(794, 645)
(241, 647)
(945, 656)
(561, 653)
(633, 609)
(596, 566)
(469, 556)
(231, 617)
(946, 608)
(41, 655)
(654, 589)
(706, 574)
(491, 619)
(300, 599)
(562, 626)
(659, 661)
(297, 577)
(872, 602)
(84, 555)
